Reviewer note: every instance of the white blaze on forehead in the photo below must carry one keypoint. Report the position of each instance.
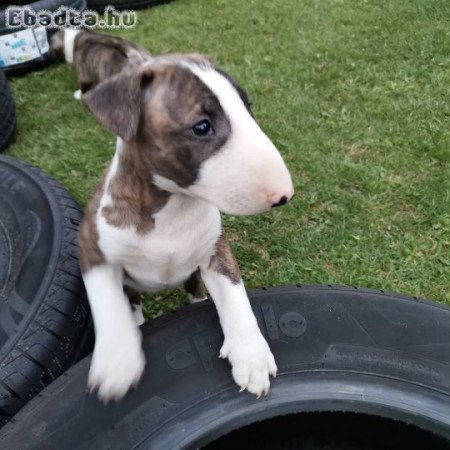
(227, 95)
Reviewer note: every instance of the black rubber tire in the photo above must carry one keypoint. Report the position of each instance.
(7, 113)
(45, 324)
(47, 57)
(337, 349)
(120, 5)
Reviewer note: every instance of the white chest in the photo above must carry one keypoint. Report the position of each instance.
(184, 237)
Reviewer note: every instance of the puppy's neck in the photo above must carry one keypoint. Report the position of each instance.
(134, 199)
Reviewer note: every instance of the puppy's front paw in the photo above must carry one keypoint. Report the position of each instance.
(116, 365)
(252, 362)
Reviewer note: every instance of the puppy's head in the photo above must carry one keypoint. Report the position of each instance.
(191, 125)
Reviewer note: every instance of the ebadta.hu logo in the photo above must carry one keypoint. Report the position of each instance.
(18, 17)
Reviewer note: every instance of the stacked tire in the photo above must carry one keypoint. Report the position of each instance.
(45, 324)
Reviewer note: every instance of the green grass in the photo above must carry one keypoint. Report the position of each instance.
(355, 94)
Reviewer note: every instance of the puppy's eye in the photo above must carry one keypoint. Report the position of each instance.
(203, 128)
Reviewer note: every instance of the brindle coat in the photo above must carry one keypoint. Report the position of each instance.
(159, 102)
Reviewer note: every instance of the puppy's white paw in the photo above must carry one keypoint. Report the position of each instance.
(117, 364)
(252, 362)
(77, 94)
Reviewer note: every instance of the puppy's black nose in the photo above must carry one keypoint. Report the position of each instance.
(283, 201)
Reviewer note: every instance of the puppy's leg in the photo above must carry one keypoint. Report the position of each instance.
(118, 360)
(245, 347)
(136, 307)
(195, 288)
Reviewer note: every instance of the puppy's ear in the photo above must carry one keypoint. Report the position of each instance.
(118, 101)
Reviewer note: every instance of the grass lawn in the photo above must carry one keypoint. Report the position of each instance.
(354, 93)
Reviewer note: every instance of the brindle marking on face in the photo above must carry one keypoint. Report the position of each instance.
(223, 261)
(134, 197)
(176, 101)
(90, 254)
(153, 108)
(194, 285)
(98, 57)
